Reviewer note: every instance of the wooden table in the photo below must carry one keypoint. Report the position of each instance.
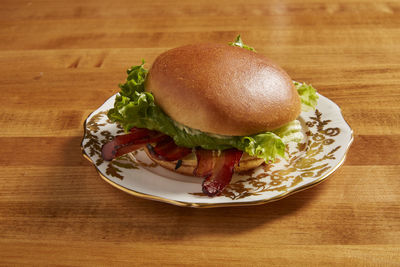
(61, 59)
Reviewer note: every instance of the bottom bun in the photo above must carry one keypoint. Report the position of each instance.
(189, 163)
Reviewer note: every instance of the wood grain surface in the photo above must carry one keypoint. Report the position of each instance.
(61, 59)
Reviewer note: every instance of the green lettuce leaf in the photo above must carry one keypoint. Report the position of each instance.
(290, 132)
(238, 42)
(267, 146)
(308, 96)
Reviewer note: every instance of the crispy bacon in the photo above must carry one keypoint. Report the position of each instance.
(122, 144)
(168, 150)
(205, 162)
(217, 169)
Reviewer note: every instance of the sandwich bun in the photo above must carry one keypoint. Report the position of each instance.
(189, 163)
(221, 89)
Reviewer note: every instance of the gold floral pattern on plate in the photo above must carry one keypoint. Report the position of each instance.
(94, 143)
(327, 139)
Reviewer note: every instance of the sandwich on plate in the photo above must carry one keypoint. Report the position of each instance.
(209, 110)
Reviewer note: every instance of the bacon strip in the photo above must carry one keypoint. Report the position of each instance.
(168, 150)
(217, 169)
(126, 143)
(205, 162)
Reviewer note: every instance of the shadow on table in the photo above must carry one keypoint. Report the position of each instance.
(166, 222)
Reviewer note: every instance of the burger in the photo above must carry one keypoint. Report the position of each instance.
(209, 110)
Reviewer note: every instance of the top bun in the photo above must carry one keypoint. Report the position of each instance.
(222, 89)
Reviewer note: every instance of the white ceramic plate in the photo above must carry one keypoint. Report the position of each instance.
(322, 151)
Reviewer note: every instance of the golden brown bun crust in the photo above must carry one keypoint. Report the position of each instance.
(188, 165)
(222, 89)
